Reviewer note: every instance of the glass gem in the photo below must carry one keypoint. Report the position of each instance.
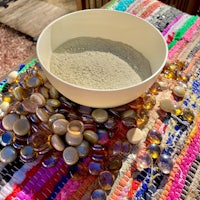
(136, 104)
(49, 109)
(117, 148)
(6, 138)
(143, 161)
(182, 77)
(75, 127)
(167, 105)
(9, 120)
(33, 118)
(121, 108)
(86, 118)
(54, 94)
(65, 103)
(154, 150)
(98, 157)
(188, 115)
(57, 143)
(21, 127)
(51, 159)
(106, 180)
(39, 140)
(180, 65)
(142, 113)
(55, 103)
(72, 116)
(128, 113)
(83, 149)
(154, 137)
(8, 154)
(90, 136)
(29, 106)
(27, 154)
(134, 135)
(110, 123)
(19, 93)
(165, 163)
(19, 109)
(98, 194)
(70, 155)
(84, 109)
(18, 144)
(7, 98)
(95, 167)
(102, 136)
(54, 117)
(100, 115)
(41, 74)
(12, 77)
(114, 113)
(177, 110)
(44, 91)
(169, 74)
(33, 81)
(42, 114)
(21, 138)
(179, 91)
(114, 163)
(91, 126)
(45, 127)
(126, 148)
(129, 122)
(153, 90)
(149, 102)
(73, 139)
(38, 98)
(98, 147)
(163, 85)
(81, 172)
(141, 121)
(172, 67)
(59, 126)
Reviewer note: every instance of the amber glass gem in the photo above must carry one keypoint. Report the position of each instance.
(188, 115)
(114, 163)
(154, 150)
(142, 121)
(172, 67)
(136, 104)
(154, 137)
(39, 140)
(169, 74)
(177, 110)
(153, 90)
(129, 122)
(149, 102)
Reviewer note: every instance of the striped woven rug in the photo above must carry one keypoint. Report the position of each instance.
(180, 137)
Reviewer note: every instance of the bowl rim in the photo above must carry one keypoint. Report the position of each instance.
(152, 76)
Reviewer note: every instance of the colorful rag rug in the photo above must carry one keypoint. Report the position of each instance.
(180, 137)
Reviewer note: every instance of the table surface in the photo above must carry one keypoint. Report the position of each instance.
(176, 176)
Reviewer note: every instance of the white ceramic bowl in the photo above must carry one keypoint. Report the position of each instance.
(108, 24)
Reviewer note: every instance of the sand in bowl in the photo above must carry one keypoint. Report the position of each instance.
(99, 63)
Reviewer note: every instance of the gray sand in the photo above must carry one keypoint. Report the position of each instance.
(99, 63)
